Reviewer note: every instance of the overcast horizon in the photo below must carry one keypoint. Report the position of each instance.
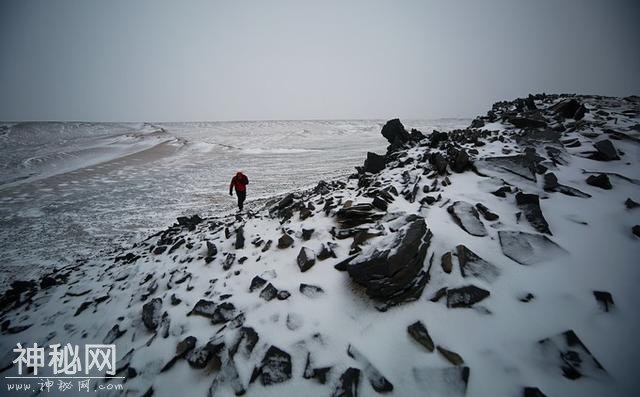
(200, 61)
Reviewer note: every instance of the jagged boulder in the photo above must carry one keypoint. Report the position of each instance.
(204, 308)
(602, 181)
(285, 241)
(394, 273)
(374, 163)
(306, 259)
(357, 214)
(395, 133)
(151, 314)
(189, 222)
(605, 151)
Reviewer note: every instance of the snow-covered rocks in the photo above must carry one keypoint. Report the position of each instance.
(466, 216)
(393, 273)
(197, 296)
(528, 248)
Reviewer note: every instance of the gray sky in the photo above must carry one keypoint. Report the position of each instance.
(244, 60)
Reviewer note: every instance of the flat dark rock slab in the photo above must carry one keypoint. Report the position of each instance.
(528, 248)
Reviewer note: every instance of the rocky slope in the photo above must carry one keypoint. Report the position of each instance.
(496, 260)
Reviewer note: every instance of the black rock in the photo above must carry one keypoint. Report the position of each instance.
(465, 296)
(605, 151)
(306, 234)
(416, 135)
(395, 133)
(460, 162)
(525, 122)
(151, 313)
(189, 222)
(530, 204)
(183, 347)
(452, 357)
(48, 281)
(566, 108)
(474, 266)
(212, 251)
(256, 283)
(419, 332)
(374, 163)
(326, 251)
(175, 300)
(269, 292)
(526, 298)
(486, 213)
(285, 241)
(348, 384)
(159, 249)
(267, 245)
(605, 299)
(395, 273)
(306, 259)
(502, 192)
(630, 204)
(357, 215)
(446, 263)
(240, 238)
(342, 265)
(379, 203)
(636, 230)
(204, 308)
(601, 181)
(201, 357)
(310, 291)
(438, 162)
(223, 313)
(245, 342)
(228, 260)
(274, 368)
(283, 295)
(550, 181)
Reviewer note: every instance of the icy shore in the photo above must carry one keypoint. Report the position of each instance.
(497, 260)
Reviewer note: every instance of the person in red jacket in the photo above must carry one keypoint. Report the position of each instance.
(239, 182)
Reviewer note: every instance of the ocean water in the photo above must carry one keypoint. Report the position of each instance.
(69, 190)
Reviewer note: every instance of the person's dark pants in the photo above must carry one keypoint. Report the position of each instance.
(241, 197)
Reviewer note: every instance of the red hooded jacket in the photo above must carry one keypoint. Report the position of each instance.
(239, 182)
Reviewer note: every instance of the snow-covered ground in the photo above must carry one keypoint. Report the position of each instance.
(67, 189)
(494, 261)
